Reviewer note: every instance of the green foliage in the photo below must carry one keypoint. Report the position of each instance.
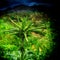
(9, 52)
(25, 36)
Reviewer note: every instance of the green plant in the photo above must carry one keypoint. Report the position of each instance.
(8, 51)
(33, 38)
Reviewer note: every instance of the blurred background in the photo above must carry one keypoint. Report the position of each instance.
(43, 5)
(5, 4)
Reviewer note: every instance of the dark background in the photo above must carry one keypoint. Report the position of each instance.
(5, 4)
(50, 7)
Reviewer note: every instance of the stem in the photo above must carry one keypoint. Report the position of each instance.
(26, 37)
(14, 23)
(22, 45)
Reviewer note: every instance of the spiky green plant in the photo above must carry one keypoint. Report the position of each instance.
(35, 36)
